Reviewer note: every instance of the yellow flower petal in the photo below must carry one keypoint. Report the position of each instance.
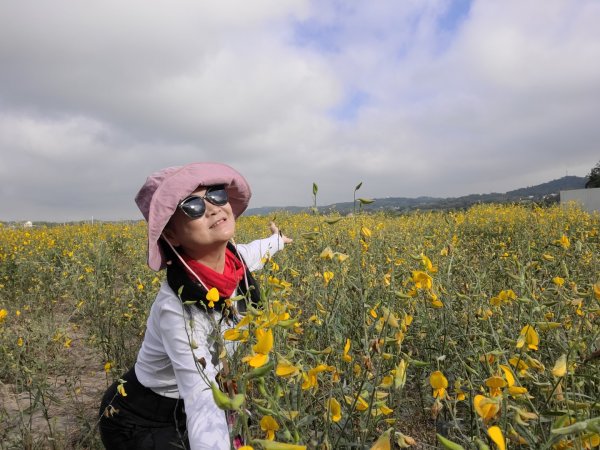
(335, 410)
(438, 380)
(212, 295)
(286, 369)
(517, 390)
(257, 360)
(510, 378)
(270, 425)
(495, 434)
(264, 342)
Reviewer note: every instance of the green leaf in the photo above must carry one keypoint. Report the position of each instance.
(365, 201)
(358, 186)
(315, 188)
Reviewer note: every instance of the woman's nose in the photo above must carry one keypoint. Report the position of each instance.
(211, 209)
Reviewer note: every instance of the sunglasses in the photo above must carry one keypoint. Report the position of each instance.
(194, 206)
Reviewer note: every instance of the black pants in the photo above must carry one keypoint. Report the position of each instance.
(143, 420)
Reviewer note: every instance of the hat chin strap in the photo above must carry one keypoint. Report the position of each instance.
(194, 273)
(183, 262)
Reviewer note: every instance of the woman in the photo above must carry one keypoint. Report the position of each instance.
(191, 212)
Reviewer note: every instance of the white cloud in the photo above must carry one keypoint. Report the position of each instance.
(412, 98)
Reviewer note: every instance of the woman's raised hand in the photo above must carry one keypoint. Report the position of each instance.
(275, 229)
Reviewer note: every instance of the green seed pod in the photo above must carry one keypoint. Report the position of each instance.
(447, 443)
(224, 401)
(261, 371)
(481, 445)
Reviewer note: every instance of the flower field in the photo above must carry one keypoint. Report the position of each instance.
(474, 329)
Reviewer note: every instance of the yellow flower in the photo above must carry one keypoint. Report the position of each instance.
(3, 314)
(387, 279)
(341, 257)
(400, 375)
(387, 381)
(121, 390)
(495, 384)
(264, 340)
(327, 277)
(560, 367)
(564, 241)
(422, 280)
(361, 403)
(383, 442)
(515, 391)
(596, 288)
(495, 434)
(346, 356)
(591, 441)
(429, 267)
(264, 344)
(558, 281)
(365, 232)
(286, 369)
(382, 409)
(278, 284)
(460, 394)
(435, 301)
(20, 342)
(505, 296)
(524, 415)
(335, 410)
(107, 366)
(270, 426)
(327, 253)
(389, 317)
(235, 334)
(257, 360)
(439, 383)
(528, 336)
(519, 364)
(510, 378)
(486, 408)
(310, 379)
(212, 296)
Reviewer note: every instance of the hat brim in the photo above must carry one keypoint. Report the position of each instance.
(178, 185)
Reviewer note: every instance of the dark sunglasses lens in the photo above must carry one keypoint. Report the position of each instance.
(193, 207)
(217, 197)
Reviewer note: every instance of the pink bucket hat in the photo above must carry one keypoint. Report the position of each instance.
(163, 190)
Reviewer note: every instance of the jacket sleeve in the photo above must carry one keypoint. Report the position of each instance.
(256, 252)
(186, 338)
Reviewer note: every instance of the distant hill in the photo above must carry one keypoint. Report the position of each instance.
(545, 192)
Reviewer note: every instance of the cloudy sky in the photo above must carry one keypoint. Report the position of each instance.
(410, 97)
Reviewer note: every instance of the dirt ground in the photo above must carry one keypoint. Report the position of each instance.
(65, 416)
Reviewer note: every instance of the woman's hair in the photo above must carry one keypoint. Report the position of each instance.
(167, 251)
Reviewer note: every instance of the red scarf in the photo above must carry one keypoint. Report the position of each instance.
(226, 282)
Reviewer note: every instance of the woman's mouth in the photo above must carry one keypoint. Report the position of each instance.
(218, 222)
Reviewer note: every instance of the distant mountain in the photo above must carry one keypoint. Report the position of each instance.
(545, 192)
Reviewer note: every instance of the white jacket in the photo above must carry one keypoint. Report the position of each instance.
(166, 364)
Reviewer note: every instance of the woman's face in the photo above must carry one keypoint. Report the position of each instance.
(199, 236)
